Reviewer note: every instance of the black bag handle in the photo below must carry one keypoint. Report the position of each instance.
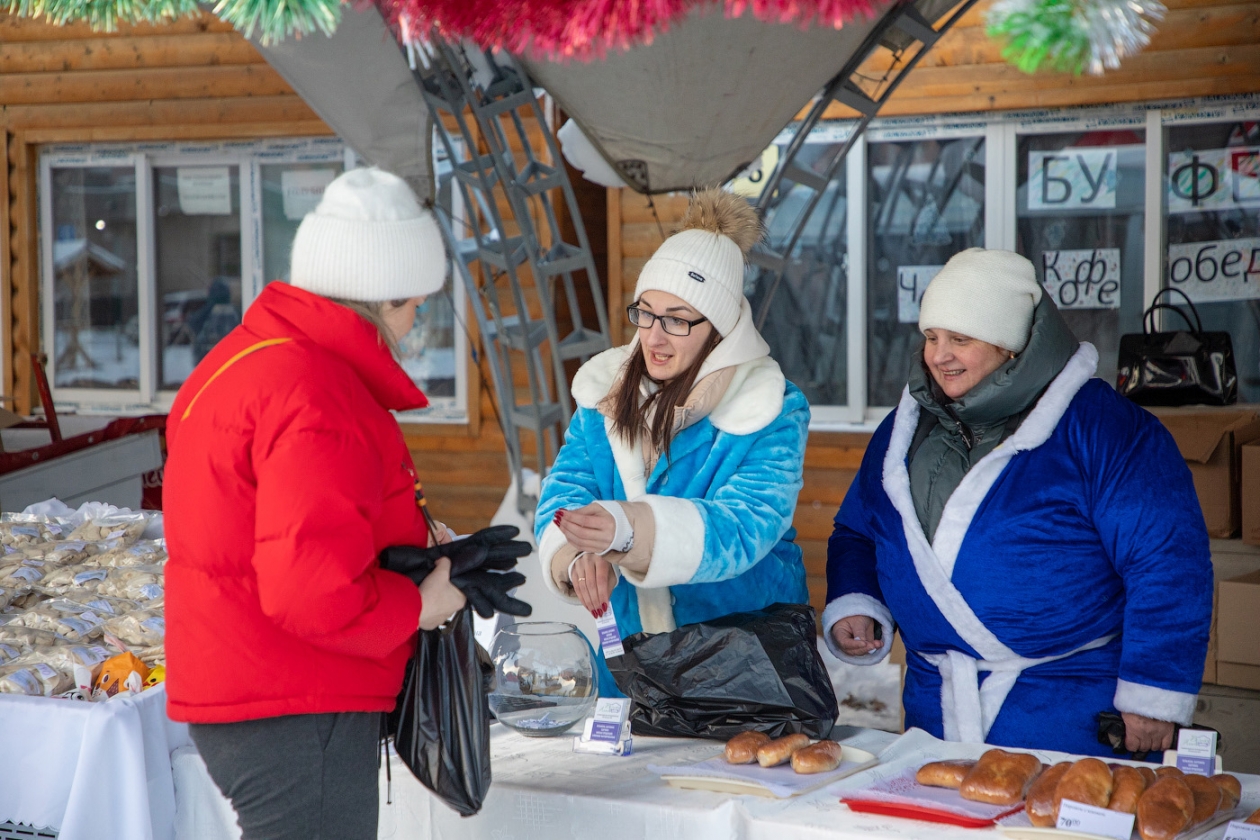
(1148, 317)
(1177, 310)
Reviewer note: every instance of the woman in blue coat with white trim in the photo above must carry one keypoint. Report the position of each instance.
(672, 498)
(1034, 536)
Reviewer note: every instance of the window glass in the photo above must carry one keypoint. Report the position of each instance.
(96, 329)
(197, 233)
(289, 192)
(805, 322)
(925, 203)
(1213, 227)
(1080, 220)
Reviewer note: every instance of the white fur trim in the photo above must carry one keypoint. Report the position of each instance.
(753, 400)
(857, 603)
(656, 610)
(1157, 703)
(552, 541)
(679, 544)
(595, 379)
(629, 462)
(623, 534)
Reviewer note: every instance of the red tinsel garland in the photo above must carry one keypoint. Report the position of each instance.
(587, 29)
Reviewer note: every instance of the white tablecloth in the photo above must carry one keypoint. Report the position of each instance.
(542, 791)
(90, 770)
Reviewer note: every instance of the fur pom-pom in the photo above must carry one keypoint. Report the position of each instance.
(719, 211)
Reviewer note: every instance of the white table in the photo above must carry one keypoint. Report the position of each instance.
(542, 791)
(90, 770)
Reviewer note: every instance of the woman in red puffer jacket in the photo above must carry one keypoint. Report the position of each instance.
(286, 477)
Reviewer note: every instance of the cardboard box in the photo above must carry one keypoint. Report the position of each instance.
(1237, 629)
(1249, 493)
(1211, 439)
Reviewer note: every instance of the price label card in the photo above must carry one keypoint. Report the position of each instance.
(1077, 816)
(609, 718)
(1239, 830)
(609, 635)
(1196, 751)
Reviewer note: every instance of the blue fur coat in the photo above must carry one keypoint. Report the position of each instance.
(722, 500)
(1078, 537)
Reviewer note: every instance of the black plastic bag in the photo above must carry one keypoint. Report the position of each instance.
(441, 726)
(756, 670)
(1181, 367)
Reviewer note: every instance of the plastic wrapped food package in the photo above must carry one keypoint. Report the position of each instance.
(146, 553)
(66, 579)
(25, 638)
(86, 625)
(119, 526)
(143, 583)
(141, 628)
(20, 576)
(38, 679)
(103, 605)
(18, 530)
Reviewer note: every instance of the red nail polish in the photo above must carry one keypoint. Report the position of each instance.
(594, 614)
(603, 607)
(560, 513)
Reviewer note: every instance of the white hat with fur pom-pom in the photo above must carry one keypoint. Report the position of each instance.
(704, 262)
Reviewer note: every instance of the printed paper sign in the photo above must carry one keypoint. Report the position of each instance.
(1073, 178)
(302, 190)
(1214, 179)
(1213, 271)
(609, 635)
(911, 281)
(204, 190)
(1077, 816)
(1088, 279)
(1196, 751)
(1239, 830)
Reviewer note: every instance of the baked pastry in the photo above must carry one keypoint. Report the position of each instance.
(1040, 805)
(822, 757)
(780, 749)
(1165, 808)
(1169, 771)
(1000, 777)
(742, 749)
(1087, 781)
(1148, 773)
(1207, 797)
(946, 774)
(1231, 790)
(1127, 786)
(1254, 819)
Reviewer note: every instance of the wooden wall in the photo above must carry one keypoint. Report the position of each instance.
(1201, 48)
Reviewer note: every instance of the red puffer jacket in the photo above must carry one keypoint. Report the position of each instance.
(286, 476)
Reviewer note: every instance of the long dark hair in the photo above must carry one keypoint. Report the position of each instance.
(630, 418)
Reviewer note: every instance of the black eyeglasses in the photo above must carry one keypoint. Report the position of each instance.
(643, 319)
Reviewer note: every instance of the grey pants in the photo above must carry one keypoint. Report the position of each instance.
(297, 777)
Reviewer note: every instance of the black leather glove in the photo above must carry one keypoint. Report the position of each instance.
(489, 548)
(478, 564)
(487, 591)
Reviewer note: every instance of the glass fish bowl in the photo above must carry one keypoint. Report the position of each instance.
(544, 677)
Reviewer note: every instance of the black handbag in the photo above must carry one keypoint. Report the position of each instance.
(1183, 367)
(756, 670)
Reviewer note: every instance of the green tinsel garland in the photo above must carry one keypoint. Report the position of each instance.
(1072, 35)
(273, 20)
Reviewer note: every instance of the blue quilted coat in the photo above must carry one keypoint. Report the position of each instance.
(1069, 575)
(722, 500)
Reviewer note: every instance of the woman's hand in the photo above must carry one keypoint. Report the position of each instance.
(440, 598)
(1143, 734)
(593, 579)
(855, 634)
(589, 528)
(441, 534)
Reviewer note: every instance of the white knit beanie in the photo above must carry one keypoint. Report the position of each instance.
(368, 240)
(988, 295)
(704, 263)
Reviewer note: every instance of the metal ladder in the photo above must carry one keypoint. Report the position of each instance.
(907, 32)
(456, 83)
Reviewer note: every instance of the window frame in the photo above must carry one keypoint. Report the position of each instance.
(249, 156)
(1001, 131)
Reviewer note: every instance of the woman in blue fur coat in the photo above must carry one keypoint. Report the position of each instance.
(1034, 536)
(672, 498)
